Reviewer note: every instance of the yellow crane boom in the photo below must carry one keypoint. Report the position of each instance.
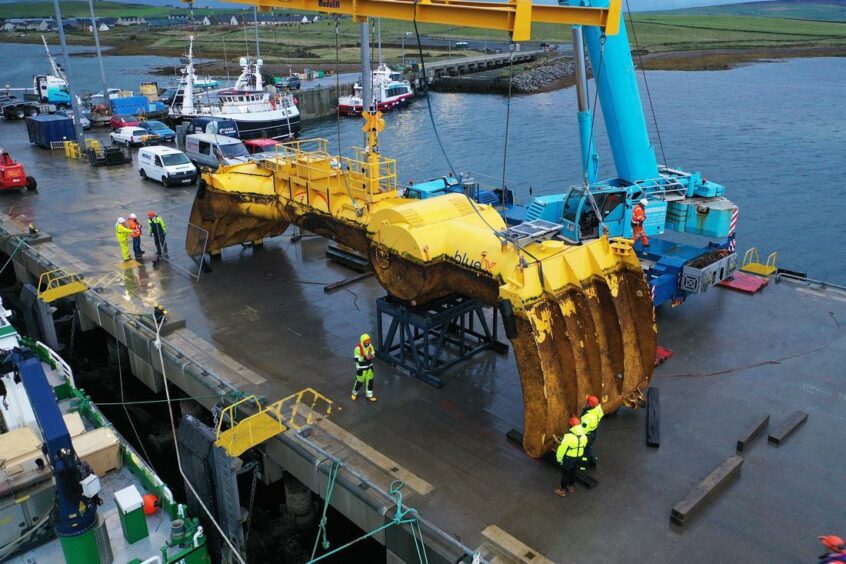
(515, 17)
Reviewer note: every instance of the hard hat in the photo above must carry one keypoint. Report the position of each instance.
(643, 202)
(365, 337)
(592, 401)
(151, 213)
(121, 220)
(133, 216)
(575, 421)
(832, 542)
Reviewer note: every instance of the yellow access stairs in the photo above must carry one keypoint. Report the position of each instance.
(753, 265)
(291, 412)
(56, 284)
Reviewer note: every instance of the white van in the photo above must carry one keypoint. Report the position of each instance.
(207, 149)
(166, 165)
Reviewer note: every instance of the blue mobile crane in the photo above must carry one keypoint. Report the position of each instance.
(684, 202)
(679, 201)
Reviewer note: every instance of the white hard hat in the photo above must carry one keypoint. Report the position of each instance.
(121, 220)
(643, 202)
(133, 216)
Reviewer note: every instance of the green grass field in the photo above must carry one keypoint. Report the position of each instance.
(105, 9)
(820, 10)
(314, 44)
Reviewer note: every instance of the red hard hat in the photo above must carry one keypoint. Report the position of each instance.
(575, 421)
(592, 401)
(833, 542)
(151, 213)
(150, 504)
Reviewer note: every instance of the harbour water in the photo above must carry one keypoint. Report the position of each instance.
(772, 133)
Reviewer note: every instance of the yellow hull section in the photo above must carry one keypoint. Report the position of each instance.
(583, 314)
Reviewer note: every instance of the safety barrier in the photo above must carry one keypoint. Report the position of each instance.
(753, 265)
(74, 151)
(291, 412)
(56, 284)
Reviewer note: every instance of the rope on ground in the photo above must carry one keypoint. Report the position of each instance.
(754, 365)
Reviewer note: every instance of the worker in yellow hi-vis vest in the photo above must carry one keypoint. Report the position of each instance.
(569, 456)
(364, 354)
(591, 416)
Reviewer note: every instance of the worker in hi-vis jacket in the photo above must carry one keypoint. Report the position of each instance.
(638, 218)
(364, 354)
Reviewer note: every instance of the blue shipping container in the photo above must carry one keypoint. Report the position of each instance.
(130, 105)
(46, 129)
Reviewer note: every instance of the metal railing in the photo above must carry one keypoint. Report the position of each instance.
(178, 229)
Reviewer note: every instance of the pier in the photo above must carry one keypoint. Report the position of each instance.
(260, 323)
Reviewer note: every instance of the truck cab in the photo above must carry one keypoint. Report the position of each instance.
(52, 90)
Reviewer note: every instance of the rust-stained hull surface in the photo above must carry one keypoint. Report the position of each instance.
(583, 315)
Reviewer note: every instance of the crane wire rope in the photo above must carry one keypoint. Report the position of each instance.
(597, 77)
(358, 211)
(646, 83)
(507, 116)
(499, 235)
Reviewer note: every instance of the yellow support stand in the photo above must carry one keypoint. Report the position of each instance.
(57, 284)
(72, 150)
(753, 265)
(293, 411)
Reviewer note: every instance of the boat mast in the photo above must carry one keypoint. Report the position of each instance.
(255, 23)
(188, 91)
(66, 75)
(55, 69)
(99, 53)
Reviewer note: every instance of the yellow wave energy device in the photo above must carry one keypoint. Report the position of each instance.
(583, 321)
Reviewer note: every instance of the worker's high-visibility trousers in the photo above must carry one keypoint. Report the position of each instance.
(124, 248)
(364, 378)
(639, 233)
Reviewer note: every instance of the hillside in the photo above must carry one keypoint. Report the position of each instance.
(103, 8)
(823, 10)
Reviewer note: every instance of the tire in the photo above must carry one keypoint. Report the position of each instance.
(19, 113)
(61, 106)
(165, 183)
(127, 143)
(32, 111)
(31, 184)
(143, 174)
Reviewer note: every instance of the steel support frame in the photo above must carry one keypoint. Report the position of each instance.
(430, 339)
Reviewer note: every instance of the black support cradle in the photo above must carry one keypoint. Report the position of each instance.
(429, 339)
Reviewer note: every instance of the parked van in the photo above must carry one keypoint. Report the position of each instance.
(166, 165)
(205, 149)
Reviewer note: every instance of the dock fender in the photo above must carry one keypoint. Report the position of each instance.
(508, 322)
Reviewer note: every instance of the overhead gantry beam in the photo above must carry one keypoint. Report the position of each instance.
(515, 17)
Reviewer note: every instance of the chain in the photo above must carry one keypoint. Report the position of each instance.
(254, 467)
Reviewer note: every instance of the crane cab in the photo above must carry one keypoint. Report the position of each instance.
(615, 205)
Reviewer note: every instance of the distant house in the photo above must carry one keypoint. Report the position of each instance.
(130, 20)
(206, 20)
(46, 25)
(71, 23)
(9, 26)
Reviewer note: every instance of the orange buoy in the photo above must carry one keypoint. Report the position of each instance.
(151, 504)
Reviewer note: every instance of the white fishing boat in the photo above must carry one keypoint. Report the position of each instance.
(389, 91)
(258, 111)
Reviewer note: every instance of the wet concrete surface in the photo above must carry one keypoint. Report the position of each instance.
(776, 352)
